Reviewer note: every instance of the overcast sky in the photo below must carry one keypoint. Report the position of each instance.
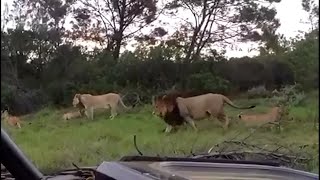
(289, 12)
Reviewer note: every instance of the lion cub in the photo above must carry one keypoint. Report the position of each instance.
(71, 115)
(273, 116)
(11, 120)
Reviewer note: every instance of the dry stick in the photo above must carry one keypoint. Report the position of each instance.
(255, 146)
(285, 158)
(275, 155)
(135, 145)
(262, 149)
(223, 148)
(277, 149)
(299, 156)
(214, 146)
(286, 147)
(250, 134)
(138, 98)
(245, 144)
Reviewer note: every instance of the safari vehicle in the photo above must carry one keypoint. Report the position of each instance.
(146, 167)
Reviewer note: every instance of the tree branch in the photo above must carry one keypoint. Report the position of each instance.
(112, 14)
(201, 42)
(101, 16)
(195, 15)
(133, 32)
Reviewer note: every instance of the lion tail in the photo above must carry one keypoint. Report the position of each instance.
(230, 103)
(122, 104)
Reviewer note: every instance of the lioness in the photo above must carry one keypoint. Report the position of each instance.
(91, 102)
(272, 116)
(11, 120)
(199, 107)
(71, 115)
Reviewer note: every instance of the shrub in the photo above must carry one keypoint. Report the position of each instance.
(207, 81)
(259, 91)
(290, 96)
(21, 101)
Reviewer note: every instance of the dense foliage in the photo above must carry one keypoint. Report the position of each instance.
(42, 63)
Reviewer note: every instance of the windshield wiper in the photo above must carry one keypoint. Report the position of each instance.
(15, 161)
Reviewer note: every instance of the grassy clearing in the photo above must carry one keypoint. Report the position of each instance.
(53, 144)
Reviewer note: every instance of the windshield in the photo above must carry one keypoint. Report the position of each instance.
(229, 79)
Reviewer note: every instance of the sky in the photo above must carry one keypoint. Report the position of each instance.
(289, 12)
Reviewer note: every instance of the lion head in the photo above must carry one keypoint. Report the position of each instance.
(162, 106)
(76, 100)
(4, 114)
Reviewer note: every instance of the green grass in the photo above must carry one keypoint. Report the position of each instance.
(53, 144)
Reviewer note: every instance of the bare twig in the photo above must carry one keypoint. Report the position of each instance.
(141, 27)
(216, 145)
(138, 100)
(275, 155)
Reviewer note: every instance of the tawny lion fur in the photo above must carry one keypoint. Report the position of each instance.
(106, 101)
(71, 115)
(173, 118)
(11, 120)
(166, 100)
(199, 107)
(272, 116)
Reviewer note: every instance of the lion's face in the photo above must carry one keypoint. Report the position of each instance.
(76, 100)
(4, 114)
(162, 107)
(281, 111)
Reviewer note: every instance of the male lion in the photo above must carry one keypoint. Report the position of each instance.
(273, 116)
(91, 102)
(198, 107)
(71, 115)
(173, 119)
(11, 120)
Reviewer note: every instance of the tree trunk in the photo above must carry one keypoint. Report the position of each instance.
(192, 45)
(116, 52)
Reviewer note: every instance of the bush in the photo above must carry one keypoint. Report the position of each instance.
(208, 82)
(6, 95)
(21, 101)
(258, 92)
(290, 96)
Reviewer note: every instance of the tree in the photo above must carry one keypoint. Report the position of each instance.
(276, 44)
(44, 20)
(221, 22)
(114, 20)
(305, 60)
(313, 10)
